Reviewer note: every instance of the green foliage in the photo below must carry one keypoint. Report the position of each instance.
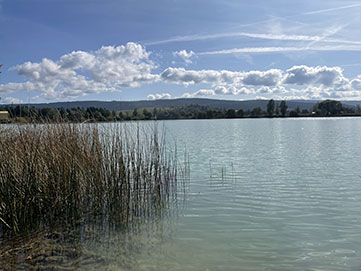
(277, 111)
(329, 108)
(231, 114)
(240, 113)
(358, 109)
(283, 108)
(271, 107)
(147, 114)
(193, 111)
(293, 113)
(256, 112)
(48, 114)
(135, 113)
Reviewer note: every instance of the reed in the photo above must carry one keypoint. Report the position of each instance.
(66, 174)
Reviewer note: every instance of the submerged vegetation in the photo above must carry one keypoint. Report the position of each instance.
(69, 174)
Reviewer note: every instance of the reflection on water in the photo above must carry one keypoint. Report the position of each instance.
(270, 194)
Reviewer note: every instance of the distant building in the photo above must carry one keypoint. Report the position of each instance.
(4, 115)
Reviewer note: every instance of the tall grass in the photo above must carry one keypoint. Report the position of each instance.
(71, 173)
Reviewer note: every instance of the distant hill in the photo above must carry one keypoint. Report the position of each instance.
(212, 103)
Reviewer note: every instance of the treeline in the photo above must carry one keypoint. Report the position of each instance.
(47, 114)
(92, 114)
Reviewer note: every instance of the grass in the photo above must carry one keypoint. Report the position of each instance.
(66, 174)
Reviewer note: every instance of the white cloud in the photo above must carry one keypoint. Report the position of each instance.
(304, 81)
(303, 75)
(319, 92)
(189, 77)
(205, 92)
(264, 90)
(13, 87)
(262, 78)
(199, 93)
(110, 68)
(356, 83)
(80, 73)
(186, 56)
(233, 89)
(122, 66)
(162, 96)
(11, 100)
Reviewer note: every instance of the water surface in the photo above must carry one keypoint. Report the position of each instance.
(264, 194)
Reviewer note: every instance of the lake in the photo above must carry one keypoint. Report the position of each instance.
(264, 194)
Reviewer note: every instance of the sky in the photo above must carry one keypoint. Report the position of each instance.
(70, 50)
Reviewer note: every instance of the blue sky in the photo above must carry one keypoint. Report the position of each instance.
(63, 50)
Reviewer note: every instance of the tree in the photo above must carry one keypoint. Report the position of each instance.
(240, 113)
(298, 110)
(48, 113)
(329, 107)
(147, 114)
(305, 111)
(257, 111)
(271, 107)
(135, 113)
(230, 114)
(293, 113)
(120, 115)
(210, 114)
(155, 113)
(277, 111)
(283, 108)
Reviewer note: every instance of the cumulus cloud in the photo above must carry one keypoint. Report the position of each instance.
(303, 75)
(262, 78)
(199, 93)
(111, 68)
(220, 90)
(162, 96)
(13, 87)
(233, 89)
(264, 90)
(189, 77)
(313, 82)
(186, 56)
(11, 100)
(356, 83)
(80, 73)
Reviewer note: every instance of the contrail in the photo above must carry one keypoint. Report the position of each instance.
(281, 49)
(258, 36)
(330, 9)
(235, 34)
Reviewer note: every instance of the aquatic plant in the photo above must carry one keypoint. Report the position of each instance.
(67, 174)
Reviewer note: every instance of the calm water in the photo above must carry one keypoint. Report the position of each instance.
(265, 194)
(289, 199)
